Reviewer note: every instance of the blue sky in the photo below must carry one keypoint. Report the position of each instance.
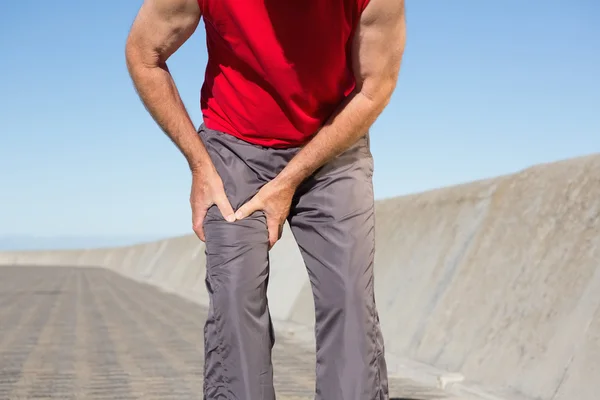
(486, 88)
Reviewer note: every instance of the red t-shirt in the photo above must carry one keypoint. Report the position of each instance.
(277, 69)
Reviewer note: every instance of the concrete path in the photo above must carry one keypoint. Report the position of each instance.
(89, 333)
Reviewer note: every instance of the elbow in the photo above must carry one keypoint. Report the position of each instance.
(131, 55)
(387, 91)
(378, 93)
(138, 57)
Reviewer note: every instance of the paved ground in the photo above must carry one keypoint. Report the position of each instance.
(71, 333)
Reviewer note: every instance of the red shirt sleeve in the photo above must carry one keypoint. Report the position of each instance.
(362, 4)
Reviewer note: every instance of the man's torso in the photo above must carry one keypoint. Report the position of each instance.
(276, 69)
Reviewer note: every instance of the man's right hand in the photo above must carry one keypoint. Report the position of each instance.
(207, 190)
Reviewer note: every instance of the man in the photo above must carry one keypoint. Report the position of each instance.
(291, 89)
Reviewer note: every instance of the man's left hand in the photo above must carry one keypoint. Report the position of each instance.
(274, 199)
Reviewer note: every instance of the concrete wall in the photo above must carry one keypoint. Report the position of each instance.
(497, 280)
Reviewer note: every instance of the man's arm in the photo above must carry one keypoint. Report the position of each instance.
(160, 28)
(378, 47)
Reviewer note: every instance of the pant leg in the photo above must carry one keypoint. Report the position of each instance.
(238, 334)
(333, 222)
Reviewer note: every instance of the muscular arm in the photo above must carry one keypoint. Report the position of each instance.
(160, 28)
(378, 47)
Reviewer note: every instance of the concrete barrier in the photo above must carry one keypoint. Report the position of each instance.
(495, 283)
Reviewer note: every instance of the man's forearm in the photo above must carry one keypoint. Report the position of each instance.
(348, 124)
(161, 98)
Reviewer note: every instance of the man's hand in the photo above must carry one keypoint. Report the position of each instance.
(207, 190)
(274, 199)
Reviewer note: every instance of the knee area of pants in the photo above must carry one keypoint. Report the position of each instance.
(224, 236)
(347, 295)
(238, 284)
(234, 300)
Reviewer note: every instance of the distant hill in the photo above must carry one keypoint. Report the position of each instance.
(25, 242)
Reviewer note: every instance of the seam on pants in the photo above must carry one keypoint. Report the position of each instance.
(376, 326)
(378, 379)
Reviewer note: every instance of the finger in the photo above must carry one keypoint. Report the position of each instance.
(248, 208)
(274, 228)
(225, 208)
(198, 222)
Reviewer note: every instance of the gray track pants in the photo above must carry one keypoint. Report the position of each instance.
(332, 219)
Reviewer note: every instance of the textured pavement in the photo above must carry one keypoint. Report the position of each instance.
(89, 333)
